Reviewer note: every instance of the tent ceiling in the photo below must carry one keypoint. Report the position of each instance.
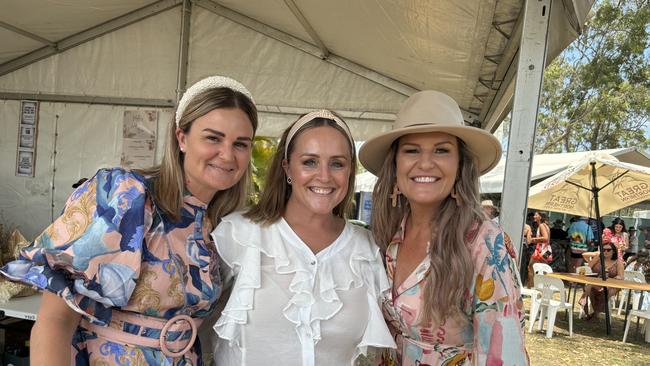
(464, 48)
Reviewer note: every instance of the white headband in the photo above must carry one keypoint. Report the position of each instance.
(208, 83)
(311, 116)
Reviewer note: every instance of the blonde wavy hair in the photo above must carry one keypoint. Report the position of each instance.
(169, 185)
(276, 192)
(450, 275)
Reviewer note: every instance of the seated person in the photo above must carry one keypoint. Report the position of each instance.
(596, 294)
(641, 263)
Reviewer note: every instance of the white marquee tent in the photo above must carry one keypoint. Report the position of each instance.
(545, 165)
(88, 61)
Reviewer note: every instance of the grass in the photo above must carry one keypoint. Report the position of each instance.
(590, 345)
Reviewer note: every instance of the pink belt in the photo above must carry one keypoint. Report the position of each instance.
(178, 323)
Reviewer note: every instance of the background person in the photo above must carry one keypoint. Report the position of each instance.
(634, 243)
(528, 249)
(619, 237)
(130, 255)
(490, 211)
(613, 268)
(557, 231)
(454, 296)
(306, 284)
(543, 252)
(580, 239)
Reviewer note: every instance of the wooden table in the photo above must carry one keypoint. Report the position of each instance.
(597, 281)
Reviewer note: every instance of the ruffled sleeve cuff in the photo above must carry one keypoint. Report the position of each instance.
(90, 255)
(371, 269)
(233, 238)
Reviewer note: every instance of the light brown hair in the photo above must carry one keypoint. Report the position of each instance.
(451, 270)
(276, 192)
(169, 186)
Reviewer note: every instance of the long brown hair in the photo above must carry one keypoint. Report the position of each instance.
(276, 192)
(168, 177)
(451, 269)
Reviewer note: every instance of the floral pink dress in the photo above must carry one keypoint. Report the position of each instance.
(493, 333)
(121, 262)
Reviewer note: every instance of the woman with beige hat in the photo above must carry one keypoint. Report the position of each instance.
(454, 296)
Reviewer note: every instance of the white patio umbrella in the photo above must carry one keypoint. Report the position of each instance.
(574, 190)
(595, 186)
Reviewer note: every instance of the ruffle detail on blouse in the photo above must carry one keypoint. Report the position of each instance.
(241, 243)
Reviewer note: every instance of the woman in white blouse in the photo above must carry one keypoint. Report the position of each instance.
(305, 283)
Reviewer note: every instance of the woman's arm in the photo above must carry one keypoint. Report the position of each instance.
(51, 338)
(620, 270)
(595, 257)
(544, 234)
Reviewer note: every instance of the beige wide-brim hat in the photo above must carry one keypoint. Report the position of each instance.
(432, 111)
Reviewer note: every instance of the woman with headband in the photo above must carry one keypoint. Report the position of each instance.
(306, 283)
(128, 269)
(454, 296)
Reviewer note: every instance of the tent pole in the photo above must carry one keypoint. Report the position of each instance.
(594, 191)
(183, 49)
(521, 140)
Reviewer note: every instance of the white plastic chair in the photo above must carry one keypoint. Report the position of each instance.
(542, 268)
(645, 314)
(530, 292)
(547, 305)
(636, 295)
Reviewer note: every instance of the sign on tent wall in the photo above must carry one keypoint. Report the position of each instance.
(27, 133)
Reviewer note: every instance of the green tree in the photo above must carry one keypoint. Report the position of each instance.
(596, 95)
(263, 149)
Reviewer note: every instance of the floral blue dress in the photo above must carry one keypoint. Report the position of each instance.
(113, 252)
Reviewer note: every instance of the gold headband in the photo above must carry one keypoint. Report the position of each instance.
(323, 113)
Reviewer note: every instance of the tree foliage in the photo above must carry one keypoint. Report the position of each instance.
(263, 150)
(596, 95)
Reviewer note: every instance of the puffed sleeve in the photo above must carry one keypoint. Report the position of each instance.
(497, 308)
(91, 254)
(368, 264)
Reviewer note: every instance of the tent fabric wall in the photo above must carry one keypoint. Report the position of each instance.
(140, 61)
(285, 76)
(87, 138)
(137, 61)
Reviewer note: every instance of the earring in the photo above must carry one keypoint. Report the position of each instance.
(394, 197)
(454, 195)
(182, 149)
(289, 180)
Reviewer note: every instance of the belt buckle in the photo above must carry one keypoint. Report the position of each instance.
(163, 336)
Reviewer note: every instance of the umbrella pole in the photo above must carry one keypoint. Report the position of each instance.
(599, 240)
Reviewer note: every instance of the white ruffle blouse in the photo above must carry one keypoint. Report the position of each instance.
(289, 306)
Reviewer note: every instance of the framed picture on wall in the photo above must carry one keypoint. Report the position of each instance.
(27, 134)
(25, 164)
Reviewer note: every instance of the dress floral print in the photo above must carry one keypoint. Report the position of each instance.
(492, 333)
(112, 252)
